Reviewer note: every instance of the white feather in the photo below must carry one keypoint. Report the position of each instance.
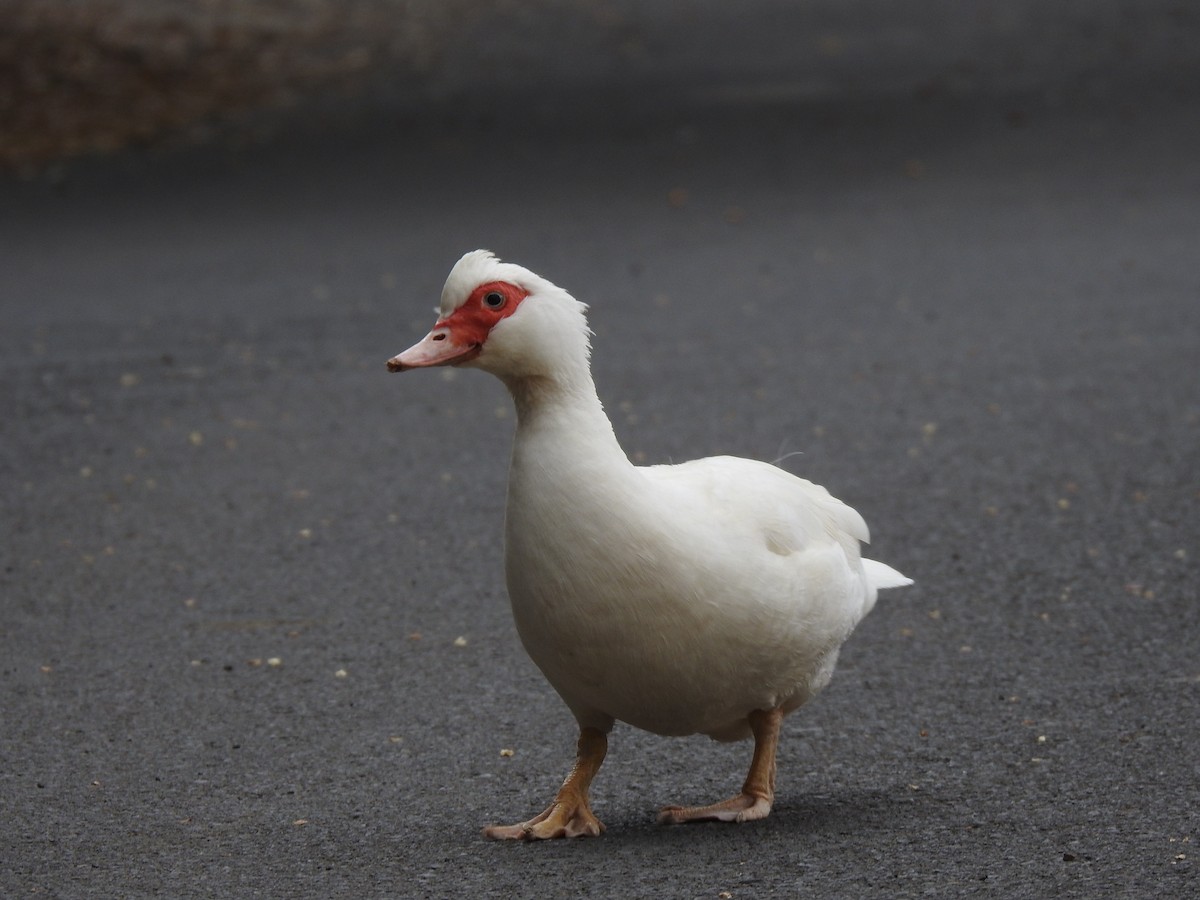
(675, 598)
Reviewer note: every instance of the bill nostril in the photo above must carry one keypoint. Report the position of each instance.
(440, 337)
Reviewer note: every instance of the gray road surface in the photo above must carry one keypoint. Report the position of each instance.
(253, 634)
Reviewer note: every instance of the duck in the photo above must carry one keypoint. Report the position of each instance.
(705, 597)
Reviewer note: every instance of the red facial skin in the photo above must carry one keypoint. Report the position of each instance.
(460, 336)
(470, 324)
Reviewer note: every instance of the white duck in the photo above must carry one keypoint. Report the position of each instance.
(708, 597)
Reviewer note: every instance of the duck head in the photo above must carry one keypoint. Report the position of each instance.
(503, 319)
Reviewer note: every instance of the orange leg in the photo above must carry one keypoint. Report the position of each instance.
(754, 802)
(569, 815)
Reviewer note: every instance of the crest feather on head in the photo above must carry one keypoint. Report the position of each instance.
(480, 267)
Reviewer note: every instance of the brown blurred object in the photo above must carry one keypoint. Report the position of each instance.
(87, 76)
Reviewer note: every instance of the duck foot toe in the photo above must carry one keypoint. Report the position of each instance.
(559, 820)
(742, 808)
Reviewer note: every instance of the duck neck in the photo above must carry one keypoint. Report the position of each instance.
(562, 415)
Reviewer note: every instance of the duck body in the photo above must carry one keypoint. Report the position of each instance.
(707, 597)
(647, 595)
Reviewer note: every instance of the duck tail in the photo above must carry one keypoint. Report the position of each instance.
(880, 576)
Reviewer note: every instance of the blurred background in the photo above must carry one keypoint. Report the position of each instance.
(95, 76)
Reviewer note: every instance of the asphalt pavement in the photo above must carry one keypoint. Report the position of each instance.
(253, 632)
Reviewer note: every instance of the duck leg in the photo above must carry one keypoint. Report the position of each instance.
(754, 802)
(569, 815)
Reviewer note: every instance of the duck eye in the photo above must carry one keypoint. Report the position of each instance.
(493, 300)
